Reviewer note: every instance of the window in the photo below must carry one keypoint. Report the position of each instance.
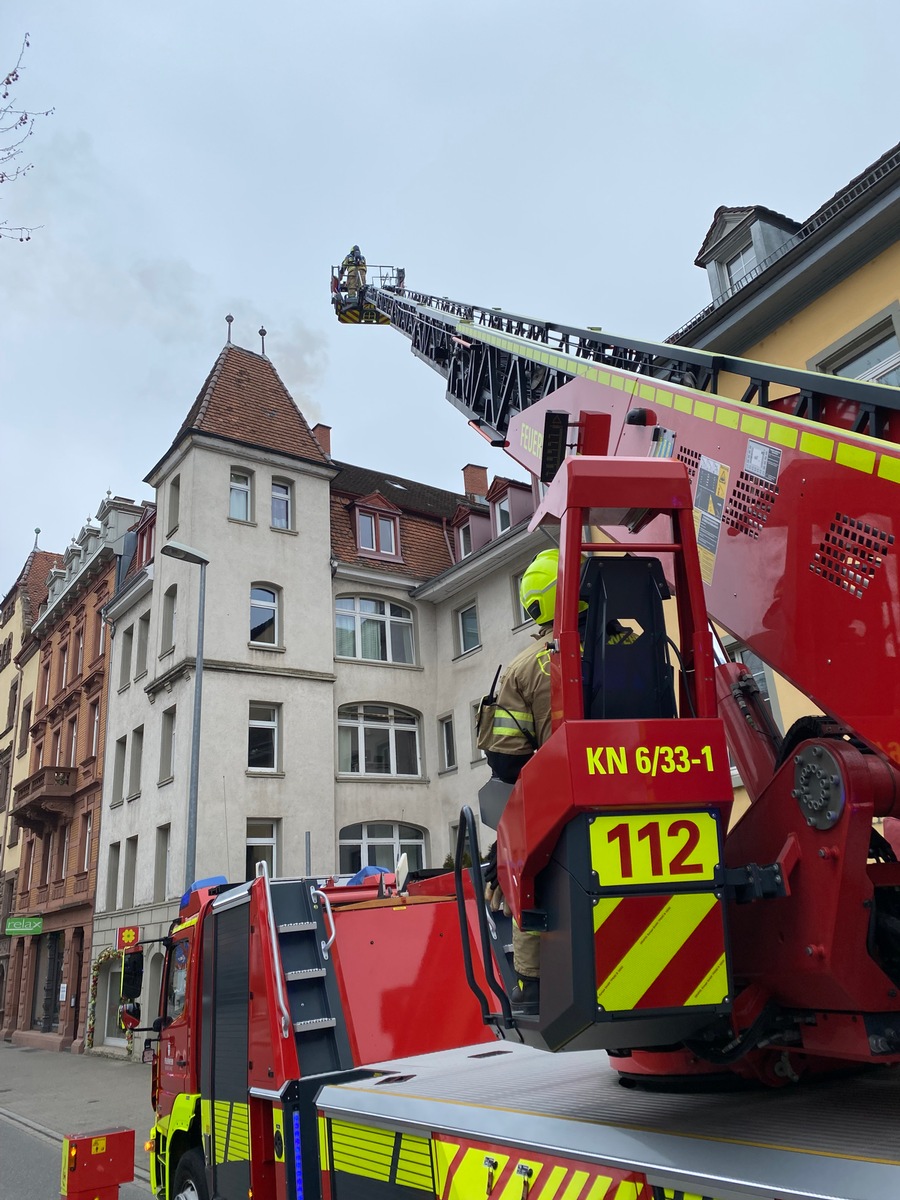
(282, 505)
(739, 266)
(125, 660)
(118, 782)
(112, 877)
(176, 979)
(380, 844)
(467, 629)
(64, 666)
(94, 718)
(46, 855)
(72, 741)
(263, 747)
(880, 362)
(12, 703)
(377, 739)
(4, 782)
(131, 845)
(143, 637)
(377, 630)
(62, 853)
(101, 634)
(169, 617)
(167, 745)
(520, 616)
(501, 514)
(174, 506)
(161, 864)
(24, 726)
(239, 502)
(45, 683)
(38, 755)
(262, 846)
(87, 829)
(137, 754)
(264, 623)
(377, 533)
(56, 749)
(478, 754)
(79, 652)
(448, 743)
(465, 540)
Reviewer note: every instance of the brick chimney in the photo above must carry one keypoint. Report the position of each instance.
(475, 481)
(322, 434)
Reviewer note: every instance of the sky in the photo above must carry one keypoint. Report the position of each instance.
(562, 161)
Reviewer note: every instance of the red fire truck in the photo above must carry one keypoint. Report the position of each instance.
(319, 1041)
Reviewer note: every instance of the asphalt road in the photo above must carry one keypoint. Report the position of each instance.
(30, 1166)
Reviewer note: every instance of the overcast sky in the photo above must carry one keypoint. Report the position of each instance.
(561, 160)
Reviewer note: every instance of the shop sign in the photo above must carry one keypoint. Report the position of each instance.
(17, 926)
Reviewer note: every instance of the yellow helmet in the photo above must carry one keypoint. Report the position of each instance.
(537, 590)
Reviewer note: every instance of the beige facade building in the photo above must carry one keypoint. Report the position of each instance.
(351, 621)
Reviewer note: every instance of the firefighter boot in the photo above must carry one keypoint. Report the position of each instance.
(525, 1001)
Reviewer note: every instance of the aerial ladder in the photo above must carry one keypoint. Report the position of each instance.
(794, 490)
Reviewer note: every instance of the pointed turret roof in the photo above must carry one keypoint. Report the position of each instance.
(244, 400)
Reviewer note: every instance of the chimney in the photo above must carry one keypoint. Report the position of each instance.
(322, 434)
(475, 481)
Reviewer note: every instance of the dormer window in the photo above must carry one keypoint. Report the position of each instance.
(741, 265)
(377, 533)
(465, 540)
(501, 514)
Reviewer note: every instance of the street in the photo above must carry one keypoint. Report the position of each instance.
(30, 1166)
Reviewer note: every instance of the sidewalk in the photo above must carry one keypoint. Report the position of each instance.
(58, 1094)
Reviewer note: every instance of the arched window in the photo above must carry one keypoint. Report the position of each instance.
(380, 844)
(169, 615)
(377, 630)
(378, 739)
(265, 615)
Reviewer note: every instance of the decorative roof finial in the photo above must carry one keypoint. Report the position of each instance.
(37, 533)
(228, 321)
(262, 334)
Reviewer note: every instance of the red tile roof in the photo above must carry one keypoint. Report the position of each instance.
(244, 400)
(32, 583)
(423, 546)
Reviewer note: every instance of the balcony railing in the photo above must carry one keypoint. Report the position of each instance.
(43, 797)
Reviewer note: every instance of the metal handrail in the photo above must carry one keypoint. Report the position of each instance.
(468, 834)
(262, 872)
(326, 903)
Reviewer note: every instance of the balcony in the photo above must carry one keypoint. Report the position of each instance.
(40, 800)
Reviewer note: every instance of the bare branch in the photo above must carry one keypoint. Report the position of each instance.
(19, 123)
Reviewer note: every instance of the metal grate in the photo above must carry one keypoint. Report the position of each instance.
(750, 505)
(850, 554)
(691, 459)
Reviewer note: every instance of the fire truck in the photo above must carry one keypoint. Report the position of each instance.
(719, 1012)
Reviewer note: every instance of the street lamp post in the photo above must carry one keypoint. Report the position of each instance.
(189, 555)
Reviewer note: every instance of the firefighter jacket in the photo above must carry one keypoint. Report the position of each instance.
(522, 716)
(354, 267)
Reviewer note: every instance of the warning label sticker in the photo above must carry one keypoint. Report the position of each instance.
(763, 461)
(709, 505)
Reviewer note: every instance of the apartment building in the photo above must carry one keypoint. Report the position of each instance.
(337, 691)
(18, 675)
(56, 806)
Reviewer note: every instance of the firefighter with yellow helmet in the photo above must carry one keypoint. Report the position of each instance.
(521, 723)
(354, 269)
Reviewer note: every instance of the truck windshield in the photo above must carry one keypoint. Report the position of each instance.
(176, 985)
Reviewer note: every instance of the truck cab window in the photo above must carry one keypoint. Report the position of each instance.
(176, 984)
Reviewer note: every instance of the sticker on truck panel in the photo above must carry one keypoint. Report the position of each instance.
(637, 849)
(465, 1170)
(709, 505)
(660, 952)
(361, 1152)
